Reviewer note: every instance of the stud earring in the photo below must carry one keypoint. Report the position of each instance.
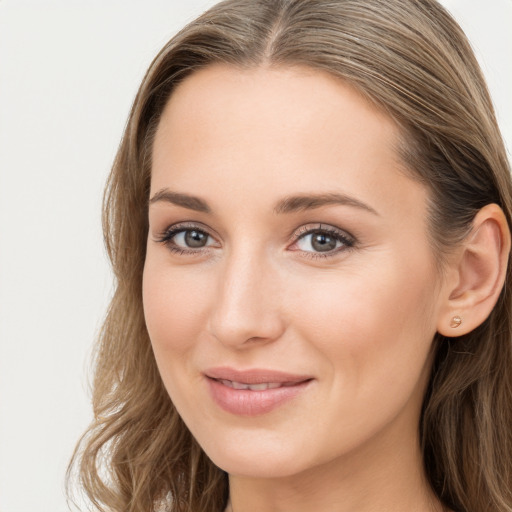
(456, 321)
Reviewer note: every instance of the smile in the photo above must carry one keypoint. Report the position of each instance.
(254, 392)
(255, 387)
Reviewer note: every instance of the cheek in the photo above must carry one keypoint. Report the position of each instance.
(373, 331)
(174, 309)
(375, 327)
(175, 315)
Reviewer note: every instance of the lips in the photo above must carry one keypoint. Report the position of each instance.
(253, 392)
(253, 387)
(255, 376)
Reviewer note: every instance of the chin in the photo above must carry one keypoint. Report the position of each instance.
(248, 457)
(257, 467)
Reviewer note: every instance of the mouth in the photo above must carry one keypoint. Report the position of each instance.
(255, 387)
(254, 392)
(273, 378)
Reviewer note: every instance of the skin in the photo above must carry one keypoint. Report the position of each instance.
(360, 322)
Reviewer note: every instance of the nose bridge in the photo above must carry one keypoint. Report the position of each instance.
(247, 303)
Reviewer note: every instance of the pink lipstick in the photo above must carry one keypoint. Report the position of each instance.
(253, 392)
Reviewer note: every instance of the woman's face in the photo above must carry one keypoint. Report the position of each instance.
(290, 292)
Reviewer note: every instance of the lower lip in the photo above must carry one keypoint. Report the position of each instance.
(245, 402)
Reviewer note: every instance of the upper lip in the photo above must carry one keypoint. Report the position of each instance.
(255, 375)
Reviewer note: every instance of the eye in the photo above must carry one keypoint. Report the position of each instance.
(191, 238)
(183, 240)
(322, 241)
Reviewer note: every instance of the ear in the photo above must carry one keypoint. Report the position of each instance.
(477, 273)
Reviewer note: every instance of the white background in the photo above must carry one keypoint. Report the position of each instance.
(69, 70)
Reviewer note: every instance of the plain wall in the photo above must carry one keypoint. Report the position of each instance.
(68, 73)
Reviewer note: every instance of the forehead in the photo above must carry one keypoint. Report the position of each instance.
(287, 102)
(282, 129)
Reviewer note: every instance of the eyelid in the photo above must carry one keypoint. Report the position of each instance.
(327, 228)
(345, 237)
(166, 238)
(184, 226)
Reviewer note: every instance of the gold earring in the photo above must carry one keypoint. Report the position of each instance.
(456, 321)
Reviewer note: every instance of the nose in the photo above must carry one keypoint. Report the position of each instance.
(247, 308)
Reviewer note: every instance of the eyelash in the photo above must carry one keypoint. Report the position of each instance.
(347, 240)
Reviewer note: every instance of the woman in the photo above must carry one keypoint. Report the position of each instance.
(308, 219)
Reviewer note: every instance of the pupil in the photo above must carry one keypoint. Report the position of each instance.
(195, 238)
(322, 242)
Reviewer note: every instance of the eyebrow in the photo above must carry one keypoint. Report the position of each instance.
(184, 200)
(307, 202)
(289, 204)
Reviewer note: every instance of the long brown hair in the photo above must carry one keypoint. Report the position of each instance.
(411, 59)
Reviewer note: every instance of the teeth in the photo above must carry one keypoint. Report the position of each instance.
(253, 387)
(239, 385)
(259, 387)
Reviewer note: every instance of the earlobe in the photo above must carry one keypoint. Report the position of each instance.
(480, 270)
